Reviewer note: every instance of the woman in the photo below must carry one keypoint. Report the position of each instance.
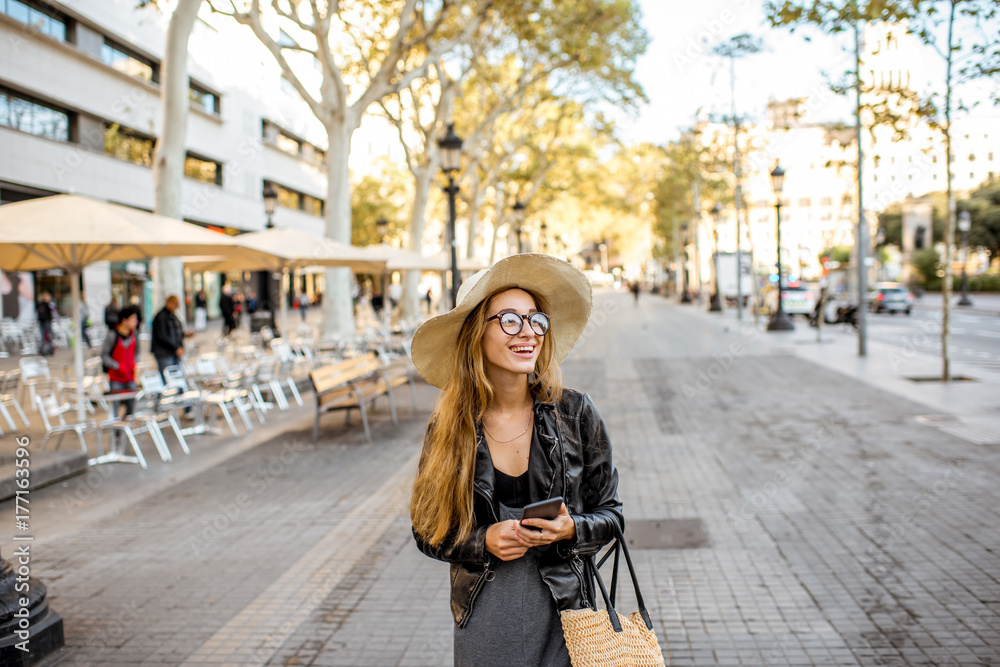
(505, 433)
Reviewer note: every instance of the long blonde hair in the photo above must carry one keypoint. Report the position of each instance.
(441, 506)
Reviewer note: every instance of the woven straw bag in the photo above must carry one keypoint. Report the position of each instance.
(597, 638)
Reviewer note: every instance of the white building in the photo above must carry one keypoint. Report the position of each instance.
(80, 111)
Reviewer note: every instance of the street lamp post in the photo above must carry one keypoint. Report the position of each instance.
(715, 303)
(964, 225)
(518, 209)
(682, 266)
(879, 248)
(779, 320)
(274, 283)
(381, 230)
(270, 202)
(451, 157)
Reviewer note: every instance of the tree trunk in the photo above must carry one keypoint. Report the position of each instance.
(168, 160)
(423, 179)
(475, 203)
(949, 236)
(338, 308)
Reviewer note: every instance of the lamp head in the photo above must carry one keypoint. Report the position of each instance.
(777, 179)
(270, 199)
(451, 150)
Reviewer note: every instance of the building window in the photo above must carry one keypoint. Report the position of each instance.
(805, 202)
(202, 169)
(48, 21)
(19, 113)
(989, 156)
(972, 157)
(129, 62)
(294, 199)
(205, 98)
(289, 143)
(126, 144)
(826, 201)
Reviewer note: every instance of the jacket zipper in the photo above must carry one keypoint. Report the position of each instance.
(576, 564)
(488, 574)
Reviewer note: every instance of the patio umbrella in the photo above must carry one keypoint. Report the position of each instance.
(69, 232)
(398, 259)
(284, 250)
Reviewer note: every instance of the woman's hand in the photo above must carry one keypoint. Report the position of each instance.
(560, 528)
(502, 541)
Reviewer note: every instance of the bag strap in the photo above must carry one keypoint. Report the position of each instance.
(609, 601)
(614, 569)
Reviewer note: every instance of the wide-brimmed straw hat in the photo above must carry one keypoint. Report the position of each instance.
(561, 284)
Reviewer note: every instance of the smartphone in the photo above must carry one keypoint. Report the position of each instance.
(545, 509)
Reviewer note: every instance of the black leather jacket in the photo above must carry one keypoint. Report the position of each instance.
(570, 457)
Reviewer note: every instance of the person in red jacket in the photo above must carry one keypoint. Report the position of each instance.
(119, 355)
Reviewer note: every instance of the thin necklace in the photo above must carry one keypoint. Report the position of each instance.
(504, 442)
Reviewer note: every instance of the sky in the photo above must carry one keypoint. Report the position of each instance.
(680, 74)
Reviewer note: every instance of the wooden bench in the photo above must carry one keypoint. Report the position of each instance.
(355, 384)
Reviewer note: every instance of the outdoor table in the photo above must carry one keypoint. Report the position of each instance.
(115, 450)
(200, 427)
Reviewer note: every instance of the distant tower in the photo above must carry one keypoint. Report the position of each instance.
(889, 51)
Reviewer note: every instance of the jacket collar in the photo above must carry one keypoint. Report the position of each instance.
(544, 460)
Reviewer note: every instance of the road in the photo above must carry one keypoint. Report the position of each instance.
(840, 529)
(974, 338)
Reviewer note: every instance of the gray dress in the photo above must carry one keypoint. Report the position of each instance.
(514, 621)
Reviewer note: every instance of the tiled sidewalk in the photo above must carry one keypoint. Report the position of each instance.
(842, 531)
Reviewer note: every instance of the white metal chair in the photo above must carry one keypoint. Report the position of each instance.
(229, 395)
(52, 411)
(142, 420)
(34, 371)
(92, 377)
(266, 380)
(8, 386)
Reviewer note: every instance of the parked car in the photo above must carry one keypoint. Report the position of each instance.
(797, 299)
(890, 298)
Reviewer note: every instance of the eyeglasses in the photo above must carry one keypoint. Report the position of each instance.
(512, 323)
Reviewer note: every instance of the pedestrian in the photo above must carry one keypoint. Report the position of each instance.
(111, 313)
(395, 294)
(120, 353)
(46, 313)
(228, 308)
(167, 344)
(635, 290)
(504, 434)
(303, 305)
(238, 307)
(84, 316)
(252, 302)
(429, 298)
(200, 310)
(136, 304)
